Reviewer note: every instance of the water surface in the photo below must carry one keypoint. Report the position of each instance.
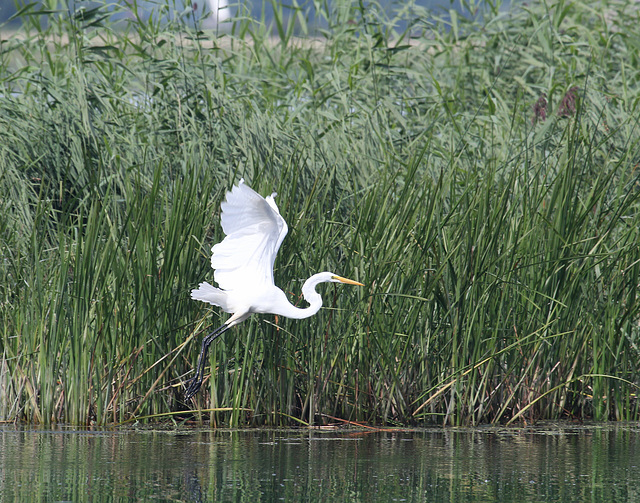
(574, 464)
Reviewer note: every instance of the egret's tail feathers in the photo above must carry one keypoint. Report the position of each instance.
(210, 294)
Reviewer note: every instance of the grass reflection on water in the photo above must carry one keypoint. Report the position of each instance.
(463, 465)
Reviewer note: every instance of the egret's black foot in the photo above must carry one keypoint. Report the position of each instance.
(193, 388)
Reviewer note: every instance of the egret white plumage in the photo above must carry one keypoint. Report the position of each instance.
(243, 268)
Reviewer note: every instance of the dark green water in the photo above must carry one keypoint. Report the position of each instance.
(598, 464)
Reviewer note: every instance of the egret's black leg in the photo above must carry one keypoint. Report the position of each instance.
(196, 382)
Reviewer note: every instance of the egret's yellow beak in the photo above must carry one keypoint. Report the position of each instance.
(347, 281)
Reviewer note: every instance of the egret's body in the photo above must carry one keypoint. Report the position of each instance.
(243, 268)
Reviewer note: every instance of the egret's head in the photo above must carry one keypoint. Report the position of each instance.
(327, 277)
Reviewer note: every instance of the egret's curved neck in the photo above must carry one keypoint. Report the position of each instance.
(310, 295)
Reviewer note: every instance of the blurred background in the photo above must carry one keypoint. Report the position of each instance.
(211, 13)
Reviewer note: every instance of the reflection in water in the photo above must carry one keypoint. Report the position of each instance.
(553, 464)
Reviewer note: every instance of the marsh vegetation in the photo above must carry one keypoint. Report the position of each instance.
(480, 176)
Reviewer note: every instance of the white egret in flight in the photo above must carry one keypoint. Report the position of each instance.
(243, 264)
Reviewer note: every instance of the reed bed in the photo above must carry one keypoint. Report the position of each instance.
(479, 174)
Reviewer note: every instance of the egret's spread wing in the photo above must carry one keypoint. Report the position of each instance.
(255, 231)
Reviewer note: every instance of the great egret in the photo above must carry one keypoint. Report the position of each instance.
(243, 264)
